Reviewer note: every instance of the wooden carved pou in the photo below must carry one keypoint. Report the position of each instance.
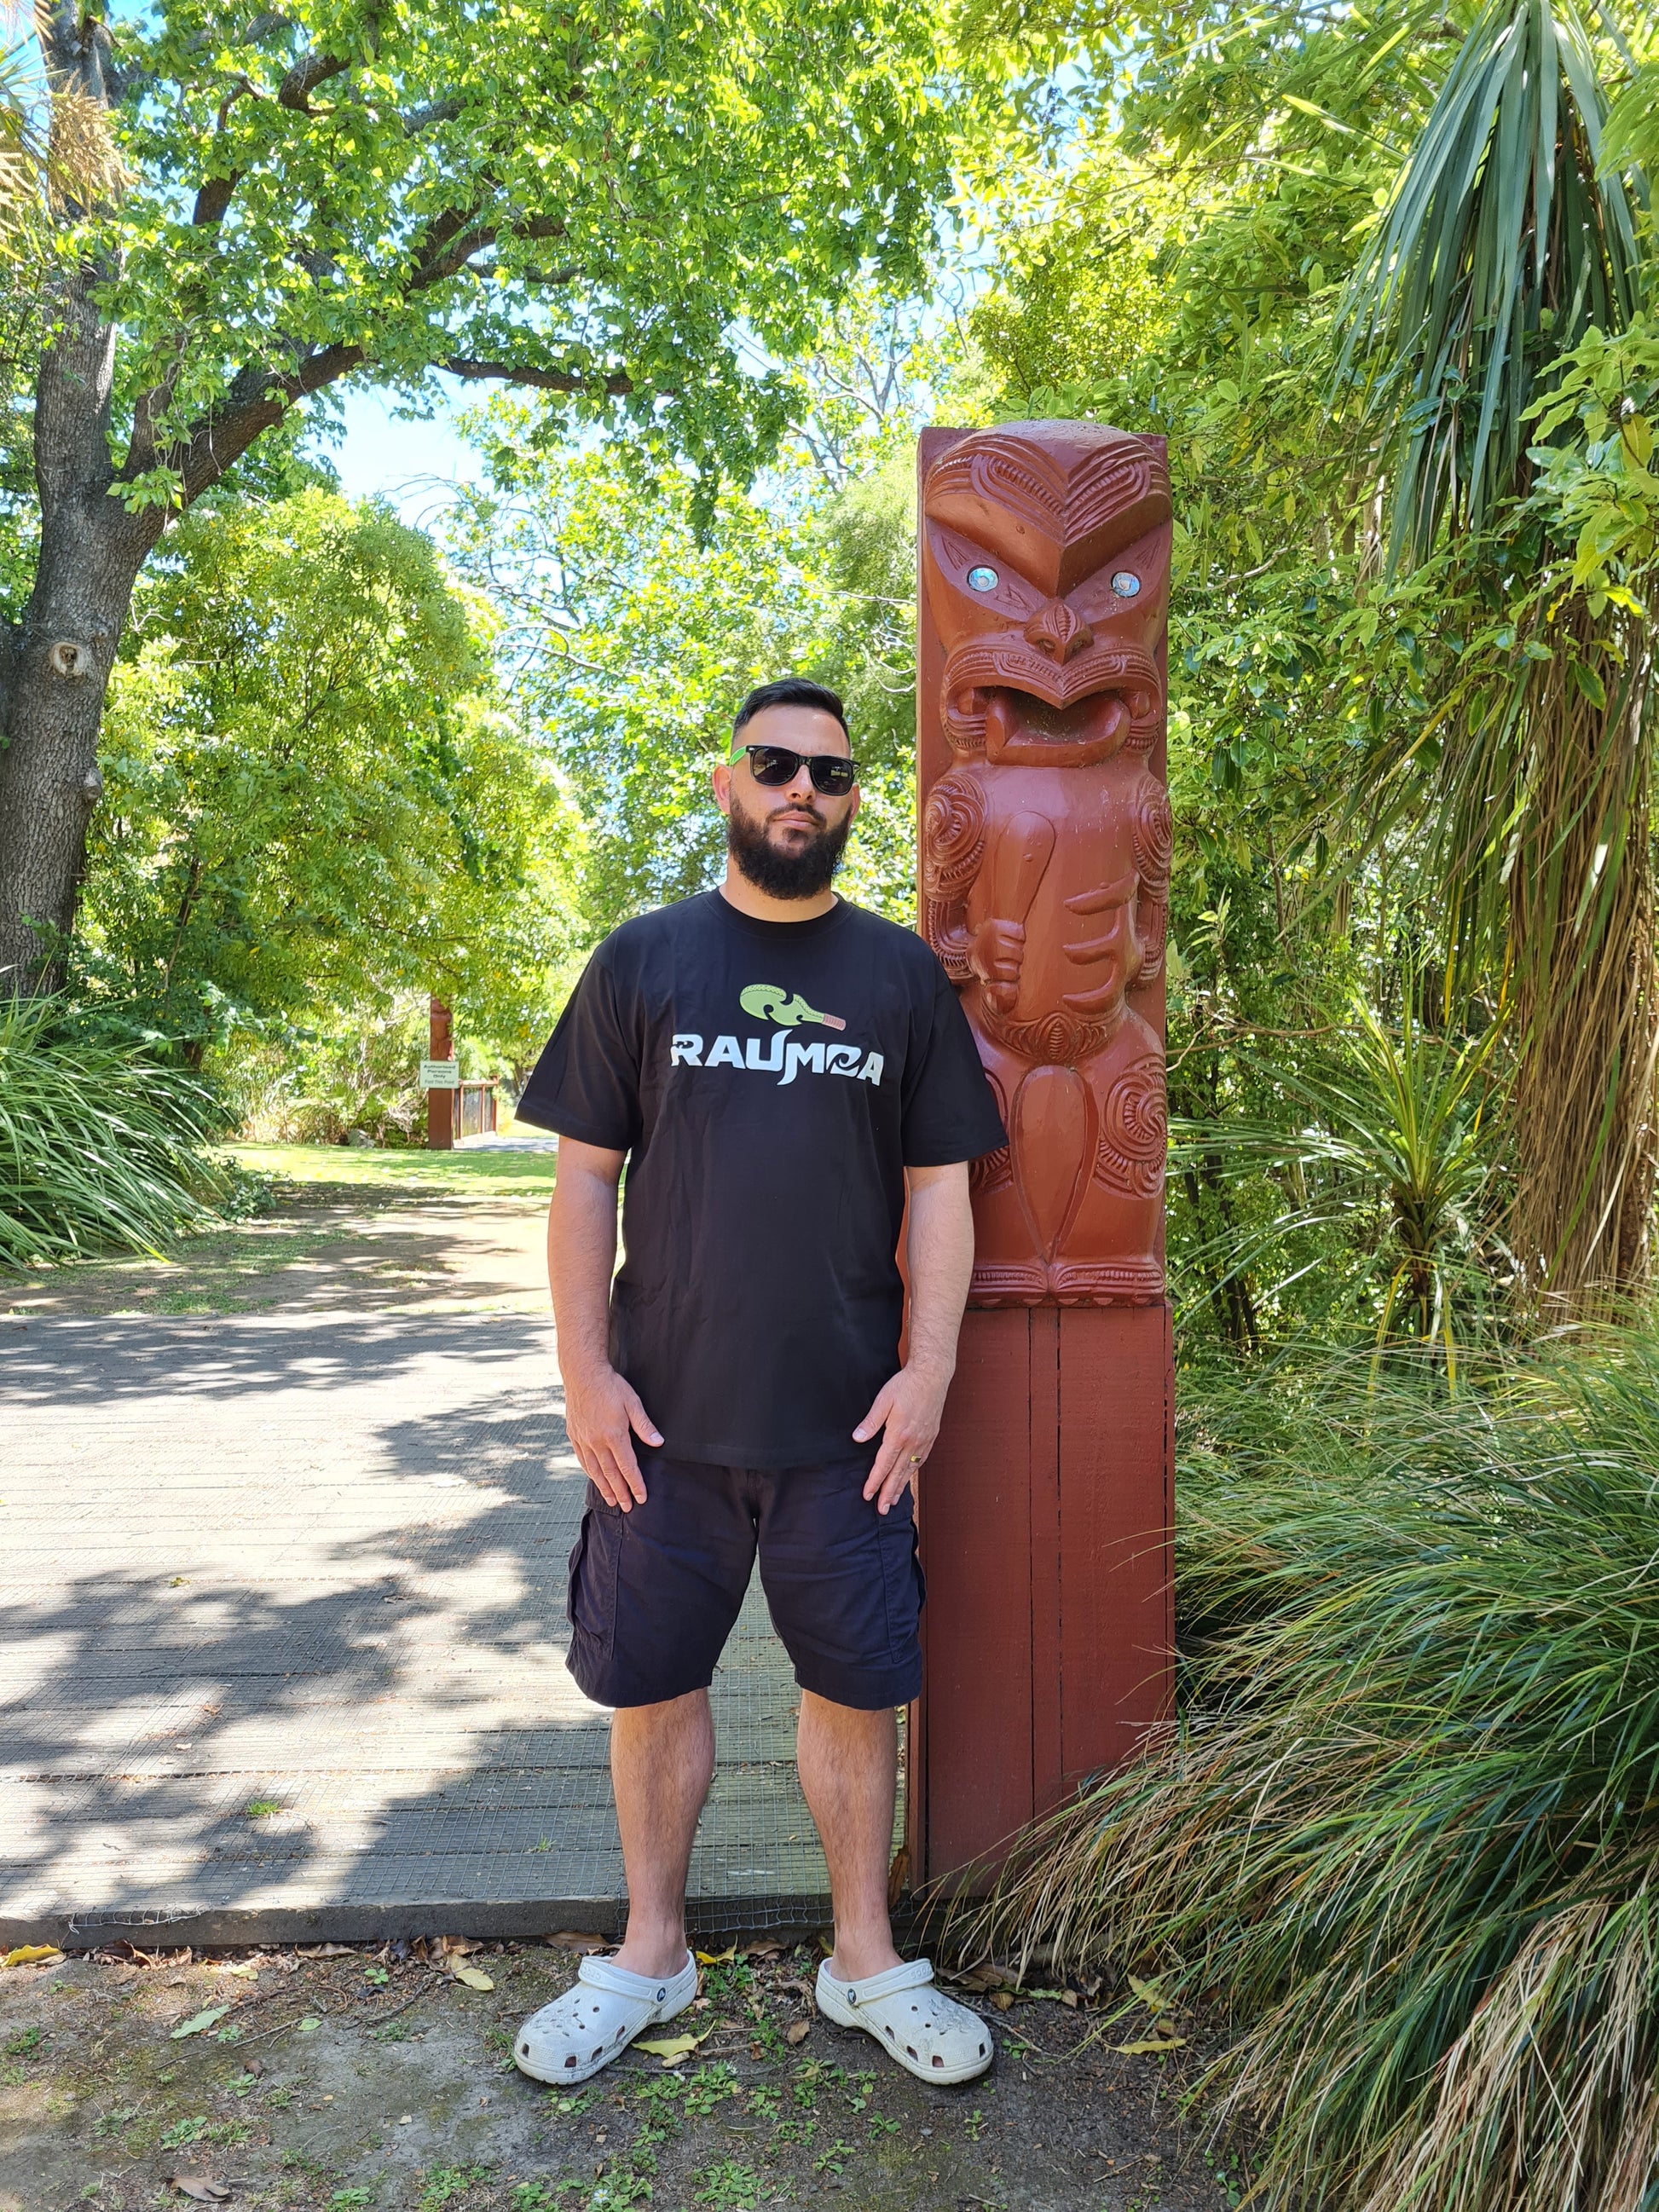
(1046, 842)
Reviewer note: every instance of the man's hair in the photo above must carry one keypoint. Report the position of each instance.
(790, 691)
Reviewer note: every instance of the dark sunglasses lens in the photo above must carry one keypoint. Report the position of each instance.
(775, 764)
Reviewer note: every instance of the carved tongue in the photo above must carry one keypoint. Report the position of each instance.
(1017, 722)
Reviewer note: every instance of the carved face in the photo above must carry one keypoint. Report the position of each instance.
(1046, 556)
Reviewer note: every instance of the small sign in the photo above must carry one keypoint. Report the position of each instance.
(440, 1075)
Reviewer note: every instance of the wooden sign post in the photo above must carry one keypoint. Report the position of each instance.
(1045, 848)
(441, 1079)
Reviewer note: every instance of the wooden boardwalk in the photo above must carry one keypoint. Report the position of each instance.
(282, 1643)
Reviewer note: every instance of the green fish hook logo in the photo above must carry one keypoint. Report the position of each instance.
(769, 1004)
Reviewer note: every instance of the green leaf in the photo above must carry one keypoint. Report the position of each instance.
(1589, 683)
(199, 2021)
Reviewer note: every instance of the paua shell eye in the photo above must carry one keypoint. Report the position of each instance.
(1126, 583)
(984, 580)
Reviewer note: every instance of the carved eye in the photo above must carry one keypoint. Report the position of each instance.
(985, 580)
(1126, 583)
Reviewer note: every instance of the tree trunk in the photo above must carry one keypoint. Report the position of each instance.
(55, 666)
(1586, 992)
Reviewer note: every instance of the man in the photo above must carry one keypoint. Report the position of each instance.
(779, 1069)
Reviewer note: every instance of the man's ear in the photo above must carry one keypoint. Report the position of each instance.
(852, 811)
(721, 781)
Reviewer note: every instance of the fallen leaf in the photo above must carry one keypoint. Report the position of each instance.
(794, 1989)
(309, 2024)
(474, 1976)
(982, 1978)
(798, 2031)
(246, 1973)
(198, 2186)
(457, 1947)
(1002, 1999)
(199, 2020)
(717, 1957)
(1149, 1993)
(1054, 1997)
(671, 2049)
(1164, 2027)
(1151, 2043)
(767, 1950)
(574, 1939)
(30, 1954)
(322, 1950)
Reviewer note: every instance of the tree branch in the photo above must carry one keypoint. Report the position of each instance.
(212, 200)
(311, 70)
(618, 384)
(258, 398)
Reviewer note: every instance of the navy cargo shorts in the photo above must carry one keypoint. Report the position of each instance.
(654, 1592)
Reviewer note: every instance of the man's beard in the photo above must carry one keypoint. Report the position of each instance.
(801, 874)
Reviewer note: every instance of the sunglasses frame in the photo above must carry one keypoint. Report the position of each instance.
(807, 761)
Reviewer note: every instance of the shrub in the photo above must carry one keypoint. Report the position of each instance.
(1405, 1833)
(99, 1142)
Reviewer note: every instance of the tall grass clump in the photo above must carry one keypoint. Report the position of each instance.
(1404, 1835)
(99, 1142)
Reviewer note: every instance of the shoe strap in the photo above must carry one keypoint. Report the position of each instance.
(619, 1981)
(911, 1975)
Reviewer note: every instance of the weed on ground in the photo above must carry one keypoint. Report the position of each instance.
(352, 2079)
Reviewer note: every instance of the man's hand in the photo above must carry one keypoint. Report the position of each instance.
(908, 1411)
(601, 1416)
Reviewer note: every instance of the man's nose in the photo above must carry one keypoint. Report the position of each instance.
(801, 785)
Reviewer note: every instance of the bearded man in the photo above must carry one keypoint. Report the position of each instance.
(780, 1071)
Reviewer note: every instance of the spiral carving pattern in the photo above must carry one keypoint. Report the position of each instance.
(1134, 1130)
(1152, 828)
(953, 835)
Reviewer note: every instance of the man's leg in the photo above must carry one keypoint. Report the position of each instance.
(848, 1763)
(662, 1761)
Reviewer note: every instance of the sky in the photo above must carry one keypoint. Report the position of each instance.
(411, 463)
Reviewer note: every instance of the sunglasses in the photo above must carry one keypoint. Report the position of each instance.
(832, 774)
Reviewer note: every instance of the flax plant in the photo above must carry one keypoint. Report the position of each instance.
(1404, 1838)
(1396, 1142)
(1510, 236)
(100, 1144)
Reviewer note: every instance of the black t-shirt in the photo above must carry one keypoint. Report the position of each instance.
(770, 1082)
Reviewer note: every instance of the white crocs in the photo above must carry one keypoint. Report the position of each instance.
(597, 2018)
(931, 2035)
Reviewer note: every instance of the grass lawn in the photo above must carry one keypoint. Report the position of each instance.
(482, 1174)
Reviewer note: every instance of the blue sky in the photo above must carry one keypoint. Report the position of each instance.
(411, 463)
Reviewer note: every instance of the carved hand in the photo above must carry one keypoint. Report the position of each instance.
(996, 956)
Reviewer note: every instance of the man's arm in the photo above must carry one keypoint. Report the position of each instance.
(600, 1408)
(940, 1251)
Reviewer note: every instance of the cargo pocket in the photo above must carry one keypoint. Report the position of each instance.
(591, 1590)
(903, 1585)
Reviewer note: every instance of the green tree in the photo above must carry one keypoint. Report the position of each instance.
(1502, 248)
(1195, 273)
(633, 634)
(615, 204)
(315, 800)
(1183, 276)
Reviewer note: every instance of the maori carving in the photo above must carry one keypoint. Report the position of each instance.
(1046, 843)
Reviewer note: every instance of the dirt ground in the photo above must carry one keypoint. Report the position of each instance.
(375, 2079)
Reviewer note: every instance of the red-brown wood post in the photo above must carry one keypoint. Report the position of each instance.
(439, 1104)
(1045, 840)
